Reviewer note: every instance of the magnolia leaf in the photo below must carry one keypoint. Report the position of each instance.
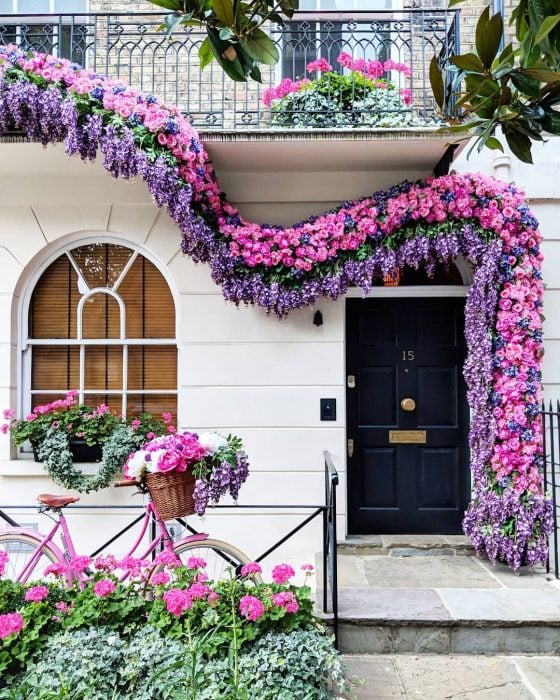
(493, 143)
(469, 62)
(519, 143)
(260, 47)
(489, 34)
(226, 55)
(452, 3)
(436, 81)
(224, 11)
(205, 53)
(551, 121)
(288, 7)
(546, 27)
(171, 21)
(526, 85)
(543, 76)
(255, 73)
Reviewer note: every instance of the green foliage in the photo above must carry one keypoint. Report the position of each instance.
(235, 36)
(101, 664)
(514, 90)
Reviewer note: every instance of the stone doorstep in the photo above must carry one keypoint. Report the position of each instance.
(449, 638)
(406, 545)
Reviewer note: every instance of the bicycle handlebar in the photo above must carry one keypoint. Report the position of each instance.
(125, 482)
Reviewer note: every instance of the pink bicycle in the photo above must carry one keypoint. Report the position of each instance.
(29, 552)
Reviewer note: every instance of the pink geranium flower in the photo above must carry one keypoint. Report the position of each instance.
(282, 573)
(286, 600)
(177, 601)
(251, 607)
(104, 588)
(251, 568)
(36, 594)
(10, 623)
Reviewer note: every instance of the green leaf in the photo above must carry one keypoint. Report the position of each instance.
(226, 55)
(288, 7)
(519, 142)
(551, 121)
(493, 144)
(224, 11)
(205, 53)
(546, 27)
(452, 3)
(469, 62)
(526, 85)
(489, 34)
(256, 73)
(436, 81)
(543, 76)
(171, 21)
(260, 47)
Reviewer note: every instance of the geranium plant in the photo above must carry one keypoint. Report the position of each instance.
(91, 424)
(219, 464)
(365, 96)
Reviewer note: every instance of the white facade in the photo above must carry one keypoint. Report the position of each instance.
(239, 370)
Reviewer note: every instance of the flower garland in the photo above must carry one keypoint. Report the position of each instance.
(55, 453)
(281, 269)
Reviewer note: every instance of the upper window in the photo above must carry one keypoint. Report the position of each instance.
(66, 37)
(102, 321)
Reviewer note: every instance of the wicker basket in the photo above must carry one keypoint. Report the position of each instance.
(172, 493)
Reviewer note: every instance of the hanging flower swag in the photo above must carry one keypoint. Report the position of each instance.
(280, 269)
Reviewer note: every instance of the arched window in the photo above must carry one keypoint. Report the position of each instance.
(101, 320)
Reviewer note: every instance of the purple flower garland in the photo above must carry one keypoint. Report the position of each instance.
(281, 269)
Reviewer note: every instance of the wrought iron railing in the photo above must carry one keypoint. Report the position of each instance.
(551, 432)
(129, 47)
(327, 510)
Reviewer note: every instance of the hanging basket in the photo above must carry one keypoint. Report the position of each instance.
(172, 493)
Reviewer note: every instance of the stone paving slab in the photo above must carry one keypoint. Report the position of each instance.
(391, 604)
(507, 605)
(423, 572)
(452, 677)
(535, 578)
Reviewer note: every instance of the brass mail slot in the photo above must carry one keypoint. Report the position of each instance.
(409, 437)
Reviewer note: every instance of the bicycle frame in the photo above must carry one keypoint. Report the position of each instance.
(68, 552)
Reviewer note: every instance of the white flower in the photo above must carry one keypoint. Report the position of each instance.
(152, 463)
(136, 464)
(212, 442)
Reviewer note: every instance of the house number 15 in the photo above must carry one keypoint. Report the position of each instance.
(408, 355)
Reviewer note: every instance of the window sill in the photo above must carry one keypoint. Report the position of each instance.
(27, 467)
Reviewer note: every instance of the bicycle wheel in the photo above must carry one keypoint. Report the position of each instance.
(20, 549)
(220, 557)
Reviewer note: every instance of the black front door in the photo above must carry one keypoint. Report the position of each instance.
(407, 416)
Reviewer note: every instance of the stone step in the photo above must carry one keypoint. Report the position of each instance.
(445, 605)
(406, 545)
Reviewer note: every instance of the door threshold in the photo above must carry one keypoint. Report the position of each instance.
(406, 545)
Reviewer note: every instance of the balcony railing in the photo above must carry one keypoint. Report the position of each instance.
(129, 47)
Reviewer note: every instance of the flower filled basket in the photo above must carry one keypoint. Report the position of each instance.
(183, 472)
(172, 493)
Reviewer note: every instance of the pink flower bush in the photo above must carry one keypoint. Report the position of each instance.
(36, 594)
(196, 563)
(321, 64)
(251, 568)
(56, 569)
(80, 563)
(251, 607)
(286, 600)
(10, 623)
(104, 587)
(160, 578)
(177, 601)
(282, 573)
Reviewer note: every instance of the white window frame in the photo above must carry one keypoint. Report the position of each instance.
(26, 343)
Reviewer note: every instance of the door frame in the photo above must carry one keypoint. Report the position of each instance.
(411, 292)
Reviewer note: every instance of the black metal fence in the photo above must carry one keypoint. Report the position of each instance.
(551, 432)
(129, 47)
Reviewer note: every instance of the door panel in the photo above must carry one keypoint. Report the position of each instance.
(407, 349)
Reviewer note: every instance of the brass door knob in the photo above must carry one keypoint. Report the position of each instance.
(408, 404)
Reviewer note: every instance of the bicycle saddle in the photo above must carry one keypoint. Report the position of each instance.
(54, 501)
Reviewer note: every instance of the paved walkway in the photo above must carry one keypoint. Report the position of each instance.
(456, 677)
